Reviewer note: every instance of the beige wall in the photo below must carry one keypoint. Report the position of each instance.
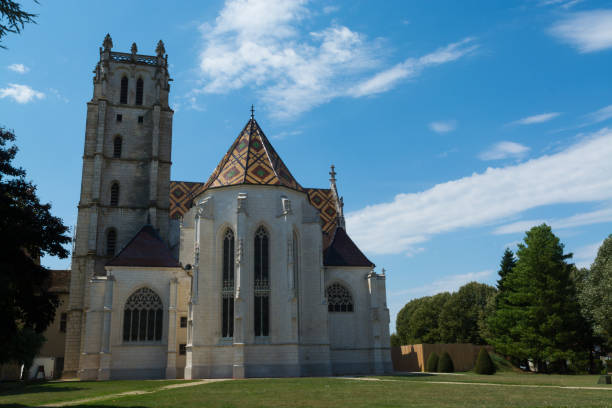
(56, 339)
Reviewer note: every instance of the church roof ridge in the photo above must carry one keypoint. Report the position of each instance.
(251, 159)
(145, 249)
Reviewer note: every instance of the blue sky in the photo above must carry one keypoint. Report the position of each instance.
(454, 126)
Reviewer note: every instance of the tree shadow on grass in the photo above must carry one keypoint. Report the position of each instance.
(71, 406)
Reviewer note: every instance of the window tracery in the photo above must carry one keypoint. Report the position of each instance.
(143, 316)
(339, 298)
(227, 291)
(262, 283)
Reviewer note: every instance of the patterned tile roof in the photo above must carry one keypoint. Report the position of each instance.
(252, 160)
(323, 200)
(181, 196)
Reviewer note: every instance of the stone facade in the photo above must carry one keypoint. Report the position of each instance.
(255, 276)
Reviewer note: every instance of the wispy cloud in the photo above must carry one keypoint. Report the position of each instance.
(450, 283)
(540, 118)
(443, 126)
(599, 115)
(566, 4)
(19, 68)
(587, 31)
(263, 44)
(20, 93)
(504, 150)
(577, 220)
(387, 79)
(585, 255)
(580, 173)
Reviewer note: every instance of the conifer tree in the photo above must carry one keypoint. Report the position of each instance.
(506, 265)
(538, 316)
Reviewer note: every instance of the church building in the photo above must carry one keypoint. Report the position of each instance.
(247, 274)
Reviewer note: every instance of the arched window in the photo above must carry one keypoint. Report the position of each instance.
(117, 144)
(227, 292)
(139, 90)
(339, 299)
(114, 195)
(111, 242)
(262, 283)
(143, 316)
(124, 90)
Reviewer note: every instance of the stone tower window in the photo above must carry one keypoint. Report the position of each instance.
(111, 242)
(117, 144)
(143, 316)
(124, 91)
(339, 299)
(262, 283)
(139, 91)
(227, 292)
(114, 195)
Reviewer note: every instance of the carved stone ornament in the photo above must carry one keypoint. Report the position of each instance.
(107, 43)
(205, 208)
(160, 50)
(286, 204)
(242, 203)
(134, 48)
(239, 251)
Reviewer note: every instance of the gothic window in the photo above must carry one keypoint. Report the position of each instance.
(117, 145)
(262, 283)
(143, 316)
(227, 292)
(111, 242)
(339, 299)
(124, 90)
(139, 90)
(114, 195)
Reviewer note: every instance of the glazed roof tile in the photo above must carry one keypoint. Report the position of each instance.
(252, 160)
(146, 249)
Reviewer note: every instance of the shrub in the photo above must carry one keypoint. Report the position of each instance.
(432, 363)
(445, 363)
(484, 364)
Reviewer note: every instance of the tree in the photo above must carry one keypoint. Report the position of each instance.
(27, 232)
(432, 362)
(445, 363)
(506, 266)
(538, 316)
(395, 340)
(417, 322)
(460, 317)
(484, 364)
(595, 292)
(13, 18)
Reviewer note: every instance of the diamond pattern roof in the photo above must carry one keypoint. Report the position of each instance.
(252, 160)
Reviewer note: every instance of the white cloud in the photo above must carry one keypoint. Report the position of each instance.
(588, 218)
(330, 9)
(541, 118)
(580, 173)
(450, 283)
(600, 115)
(588, 31)
(566, 4)
(20, 93)
(443, 126)
(19, 68)
(503, 150)
(262, 44)
(585, 255)
(385, 80)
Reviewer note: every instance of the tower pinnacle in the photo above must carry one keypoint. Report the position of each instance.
(252, 112)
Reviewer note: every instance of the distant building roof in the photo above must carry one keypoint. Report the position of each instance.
(342, 251)
(146, 249)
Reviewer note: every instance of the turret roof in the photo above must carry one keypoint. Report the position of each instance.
(252, 160)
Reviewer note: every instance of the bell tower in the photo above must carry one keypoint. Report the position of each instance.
(126, 173)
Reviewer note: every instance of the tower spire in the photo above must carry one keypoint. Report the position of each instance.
(339, 200)
(252, 112)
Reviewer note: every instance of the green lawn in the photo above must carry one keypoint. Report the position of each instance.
(388, 391)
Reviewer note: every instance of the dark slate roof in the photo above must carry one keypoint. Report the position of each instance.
(60, 281)
(344, 252)
(146, 249)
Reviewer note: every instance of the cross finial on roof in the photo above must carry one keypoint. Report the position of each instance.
(383, 271)
(332, 173)
(252, 112)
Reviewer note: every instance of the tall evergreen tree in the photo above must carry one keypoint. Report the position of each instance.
(27, 232)
(538, 316)
(506, 266)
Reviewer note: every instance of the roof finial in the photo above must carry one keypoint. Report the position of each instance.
(252, 112)
(160, 50)
(107, 43)
(134, 48)
(332, 173)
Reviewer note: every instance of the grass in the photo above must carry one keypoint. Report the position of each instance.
(389, 391)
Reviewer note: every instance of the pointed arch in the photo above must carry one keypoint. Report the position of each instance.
(339, 298)
(143, 316)
(262, 282)
(227, 291)
(123, 97)
(139, 91)
(114, 194)
(117, 146)
(111, 242)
